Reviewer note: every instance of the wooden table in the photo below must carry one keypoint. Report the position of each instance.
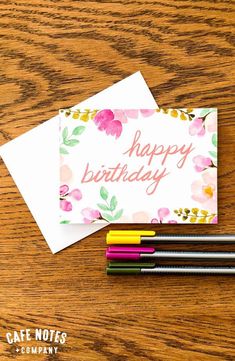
(55, 54)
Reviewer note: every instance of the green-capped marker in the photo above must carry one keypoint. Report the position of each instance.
(127, 267)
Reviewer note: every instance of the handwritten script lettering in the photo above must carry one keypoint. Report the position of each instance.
(158, 150)
(153, 153)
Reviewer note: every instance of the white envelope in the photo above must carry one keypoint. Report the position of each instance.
(35, 168)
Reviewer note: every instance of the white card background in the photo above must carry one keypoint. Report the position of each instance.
(35, 169)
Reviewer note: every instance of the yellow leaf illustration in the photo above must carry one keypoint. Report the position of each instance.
(75, 115)
(174, 113)
(84, 117)
(183, 116)
(204, 213)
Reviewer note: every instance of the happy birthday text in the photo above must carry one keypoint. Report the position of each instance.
(152, 153)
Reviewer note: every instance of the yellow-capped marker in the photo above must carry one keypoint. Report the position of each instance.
(149, 237)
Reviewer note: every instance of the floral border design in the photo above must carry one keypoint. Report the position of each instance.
(204, 190)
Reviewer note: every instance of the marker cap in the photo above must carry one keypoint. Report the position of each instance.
(127, 237)
(127, 253)
(127, 267)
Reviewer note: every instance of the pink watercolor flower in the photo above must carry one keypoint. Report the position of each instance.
(147, 112)
(114, 128)
(154, 220)
(102, 118)
(76, 194)
(162, 214)
(90, 215)
(105, 120)
(65, 173)
(197, 127)
(211, 122)
(204, 190)
(124, 114)
(201, 163)
(111, 121)
(120, 115)
(131, 113)
(64, 189)
(65, 205)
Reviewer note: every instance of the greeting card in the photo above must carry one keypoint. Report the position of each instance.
(138, 166)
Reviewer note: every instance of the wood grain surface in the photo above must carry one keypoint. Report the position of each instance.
(55, 54)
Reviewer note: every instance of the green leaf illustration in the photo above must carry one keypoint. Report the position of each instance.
(113, 203)
(108, 217)
(65, 133)
(118, 215)
(71, 142)
(109, 207)
(214, 139)
(213, 154)
(205, 111)
(103, 207)
(104, 193)
(65, 222)
(63, 151)
(78, 130)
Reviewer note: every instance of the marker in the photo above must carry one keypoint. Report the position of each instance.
(137, 253)
(115, 268)
(150, 237)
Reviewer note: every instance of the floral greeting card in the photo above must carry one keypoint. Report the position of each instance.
(138, 166)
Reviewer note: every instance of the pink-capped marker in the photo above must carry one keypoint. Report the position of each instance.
(127, 253)
(138, 253)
